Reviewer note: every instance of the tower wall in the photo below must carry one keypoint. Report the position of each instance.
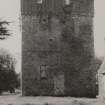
(58, 49)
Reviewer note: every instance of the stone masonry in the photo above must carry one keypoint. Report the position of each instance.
(57, 48)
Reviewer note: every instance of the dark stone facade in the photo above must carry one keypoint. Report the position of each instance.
(57, 48)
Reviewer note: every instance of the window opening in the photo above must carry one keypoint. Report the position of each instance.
(39, 1)
(67, 2)
(43, 71)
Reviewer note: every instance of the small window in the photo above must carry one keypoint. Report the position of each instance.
(43, 72)
(39, 1)
(67, 2)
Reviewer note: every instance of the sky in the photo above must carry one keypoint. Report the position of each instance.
(99, 27)
(10, 11)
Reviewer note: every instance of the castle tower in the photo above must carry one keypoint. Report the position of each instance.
(57, 47)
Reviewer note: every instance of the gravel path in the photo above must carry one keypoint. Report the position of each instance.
(17, 99)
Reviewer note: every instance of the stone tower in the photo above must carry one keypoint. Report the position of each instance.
(57, 47)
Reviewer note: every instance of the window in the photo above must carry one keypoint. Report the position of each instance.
(39, 1)
(43, 72)
(67, 2)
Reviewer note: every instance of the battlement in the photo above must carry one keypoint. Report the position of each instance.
(79, 7)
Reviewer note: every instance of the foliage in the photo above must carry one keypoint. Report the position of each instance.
(4, 32)
(8, 76)
(98, 62)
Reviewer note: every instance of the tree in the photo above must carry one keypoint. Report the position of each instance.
(4, 32)
(8, 76)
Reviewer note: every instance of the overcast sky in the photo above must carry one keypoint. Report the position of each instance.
(99, 27)
(10, 10)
